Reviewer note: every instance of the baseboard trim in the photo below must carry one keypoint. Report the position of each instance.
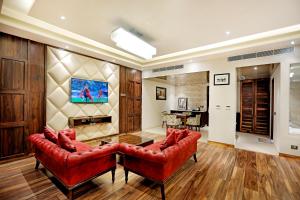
(220, 144)
(288, 155)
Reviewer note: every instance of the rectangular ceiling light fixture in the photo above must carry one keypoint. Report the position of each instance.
(133, 44)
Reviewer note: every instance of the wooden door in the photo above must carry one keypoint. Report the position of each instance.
(130, 100)
(137, 102)
(247, 106)
(22, 90)
(255, 106)
(262, 107)
(13, 96)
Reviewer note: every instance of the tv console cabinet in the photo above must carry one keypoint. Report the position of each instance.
(88, 120)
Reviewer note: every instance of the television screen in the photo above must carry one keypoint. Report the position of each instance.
(88, 91)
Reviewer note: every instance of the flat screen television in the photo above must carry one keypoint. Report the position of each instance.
(88, 91)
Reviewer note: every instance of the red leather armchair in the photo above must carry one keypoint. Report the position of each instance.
(74, 168)
(158, 165)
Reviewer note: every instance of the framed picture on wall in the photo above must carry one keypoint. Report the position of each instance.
(182, 103)
(222, 79)
(161, 93)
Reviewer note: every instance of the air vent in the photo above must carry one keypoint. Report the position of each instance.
(261, 54)
(168, 68)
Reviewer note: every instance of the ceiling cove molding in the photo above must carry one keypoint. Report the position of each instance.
(265, 38)
(27, 23)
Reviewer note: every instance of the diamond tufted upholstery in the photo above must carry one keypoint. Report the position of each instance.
(76, 167)
(61, 66)
(159, 165)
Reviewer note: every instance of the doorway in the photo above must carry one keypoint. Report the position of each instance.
(160, 113)
(255, 108)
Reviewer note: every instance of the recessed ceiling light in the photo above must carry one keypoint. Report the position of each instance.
(227, 32)
(255, 68)
(62, 17)
(292, 42)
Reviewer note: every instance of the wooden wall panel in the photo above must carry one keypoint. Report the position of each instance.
(22, 92)
(12, 108)
(130, 100)
(14, 141)
(14, 71)
(13, 47)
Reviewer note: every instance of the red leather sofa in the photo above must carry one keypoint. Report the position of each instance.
(156, 164)
(74, 168)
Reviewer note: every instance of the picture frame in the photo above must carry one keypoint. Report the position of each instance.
(182, 103)
(222, 79)
(161, 93)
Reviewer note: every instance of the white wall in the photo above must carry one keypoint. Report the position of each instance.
(222, 121)
(152, 108)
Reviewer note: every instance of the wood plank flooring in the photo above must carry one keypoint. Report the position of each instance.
(220, 173)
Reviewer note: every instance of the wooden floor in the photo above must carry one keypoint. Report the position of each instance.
(220, 173)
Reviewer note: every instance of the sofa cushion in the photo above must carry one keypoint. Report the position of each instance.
(50, 134)
(169, 141)
(65, 142)
(180, 134)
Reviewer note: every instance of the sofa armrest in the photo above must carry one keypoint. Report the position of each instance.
(77, 158)
(142, 153)
(41, 144)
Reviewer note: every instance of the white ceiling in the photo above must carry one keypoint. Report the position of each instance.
(169, 25)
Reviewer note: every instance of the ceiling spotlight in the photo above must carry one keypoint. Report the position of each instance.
(292, 42)
(255, 68)
(227, 32)
(292, 74)
(62, 17)
(133, 44)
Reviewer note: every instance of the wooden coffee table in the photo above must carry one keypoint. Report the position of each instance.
(129, 139)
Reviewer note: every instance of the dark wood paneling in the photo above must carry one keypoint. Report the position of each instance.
(36, 68)
(13, 47)
(22, 93)
(255, 106)
(14, 71)
(12, 108)
(14, 141)
(130, 100)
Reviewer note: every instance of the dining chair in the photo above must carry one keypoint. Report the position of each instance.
(173, 121)
(194, 122)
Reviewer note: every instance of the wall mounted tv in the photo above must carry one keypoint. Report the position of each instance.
(88, 91)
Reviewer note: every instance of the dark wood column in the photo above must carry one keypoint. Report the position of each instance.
(22, 91)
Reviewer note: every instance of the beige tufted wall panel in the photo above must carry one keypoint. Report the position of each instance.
(61, 66)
